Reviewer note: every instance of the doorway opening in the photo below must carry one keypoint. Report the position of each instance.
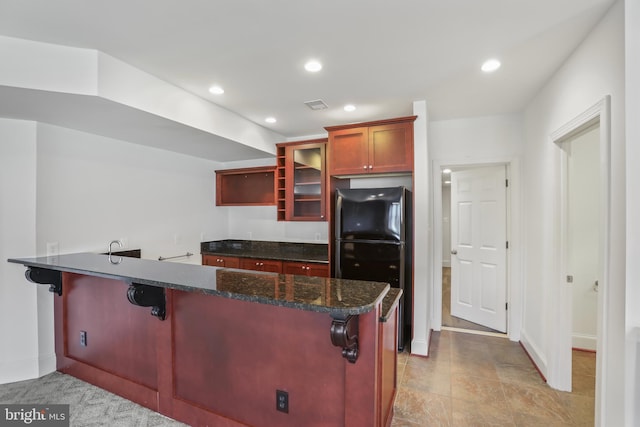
(582, 260)
(472, 265)
(581, 313)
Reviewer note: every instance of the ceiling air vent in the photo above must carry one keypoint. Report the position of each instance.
(318, 104)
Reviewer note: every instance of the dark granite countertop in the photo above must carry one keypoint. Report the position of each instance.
(285, 251)
(389, 302)
(334, 296)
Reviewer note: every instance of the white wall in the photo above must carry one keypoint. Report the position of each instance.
(92, 190)
(422, 234)
(19, 352)
(260, 223)
(595, 70)
(632, 330)
(477, 139)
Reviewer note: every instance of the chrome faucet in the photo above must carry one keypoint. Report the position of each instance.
(111, 245)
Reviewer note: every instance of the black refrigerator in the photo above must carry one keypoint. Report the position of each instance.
(374, 242)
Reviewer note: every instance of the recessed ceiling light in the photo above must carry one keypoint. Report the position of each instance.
(349, 107)
(216, 90)
(446, 170)
(490, 65)
(270, 120)
(313, 66)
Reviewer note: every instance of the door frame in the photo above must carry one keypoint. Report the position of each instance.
(559, 367)
(514, 254)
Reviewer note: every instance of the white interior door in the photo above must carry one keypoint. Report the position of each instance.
(478, 246)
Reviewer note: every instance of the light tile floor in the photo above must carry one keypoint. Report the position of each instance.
(475, 380)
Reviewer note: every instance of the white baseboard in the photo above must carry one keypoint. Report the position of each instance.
(18, 370)
(536, 355)
(47, 364)
(584, 342)
(420, 347)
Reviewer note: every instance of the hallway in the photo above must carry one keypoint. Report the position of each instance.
(473, 380)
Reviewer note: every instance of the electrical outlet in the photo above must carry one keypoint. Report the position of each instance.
(83, 338)
(52, 249)
(282, 401)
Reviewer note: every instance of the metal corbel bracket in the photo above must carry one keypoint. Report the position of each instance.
(148, 296)
(44, 276)
(344, 333)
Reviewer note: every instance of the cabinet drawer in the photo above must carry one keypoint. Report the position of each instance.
(270, 265)
(306, 269)
(221, 261)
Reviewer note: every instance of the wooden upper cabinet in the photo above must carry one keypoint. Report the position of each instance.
(246, 186)
(301, 181)
(349, 151)
(384, 146)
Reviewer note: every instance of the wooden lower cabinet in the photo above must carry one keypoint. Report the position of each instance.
(312, 269)
(306, 268)
(270, 265)
(221, 261)
(220, 361)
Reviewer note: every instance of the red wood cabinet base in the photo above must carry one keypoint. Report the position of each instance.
(219, 361)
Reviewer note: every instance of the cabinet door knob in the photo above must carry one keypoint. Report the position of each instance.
(370, 166)
(365, 166)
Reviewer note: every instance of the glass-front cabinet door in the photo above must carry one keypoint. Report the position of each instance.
(305, 182)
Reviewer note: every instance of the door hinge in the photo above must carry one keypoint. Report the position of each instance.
(506, 306)
(506, 182)
(507, 244)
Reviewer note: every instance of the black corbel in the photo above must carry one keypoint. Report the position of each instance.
(148, 296)
(44, 276)
(344, 333)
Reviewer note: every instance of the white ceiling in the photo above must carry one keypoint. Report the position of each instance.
(380, 55)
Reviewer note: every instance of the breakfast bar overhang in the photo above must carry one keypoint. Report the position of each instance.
(225, 347)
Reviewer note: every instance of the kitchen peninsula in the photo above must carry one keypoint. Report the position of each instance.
(225, 347)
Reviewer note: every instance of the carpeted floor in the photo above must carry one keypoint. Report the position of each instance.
(89, 405)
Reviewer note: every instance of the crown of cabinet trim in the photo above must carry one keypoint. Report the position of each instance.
(373, 123)
(246, 186)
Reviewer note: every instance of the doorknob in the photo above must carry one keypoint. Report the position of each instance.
(454, 252)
